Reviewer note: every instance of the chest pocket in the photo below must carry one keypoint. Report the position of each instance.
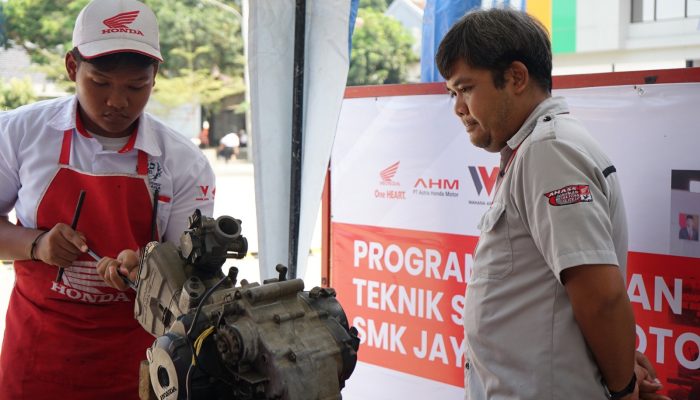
(494, 256)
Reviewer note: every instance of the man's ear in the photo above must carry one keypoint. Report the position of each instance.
(520, 76)
(155, 72)
(71, 66)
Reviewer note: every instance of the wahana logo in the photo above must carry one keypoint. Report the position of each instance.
(483, 179)
(388, 173)
(120, 23)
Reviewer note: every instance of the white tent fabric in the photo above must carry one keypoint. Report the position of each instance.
(270, 60)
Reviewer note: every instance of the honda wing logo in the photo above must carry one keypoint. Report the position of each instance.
(482, 179)
(387, 179)
(388, 173)
(120, 23)
(121, 20)
(83, 283)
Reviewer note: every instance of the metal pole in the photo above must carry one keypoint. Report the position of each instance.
(297, 135)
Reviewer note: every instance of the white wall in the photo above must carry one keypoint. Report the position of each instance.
(607, 40)
(600, 31)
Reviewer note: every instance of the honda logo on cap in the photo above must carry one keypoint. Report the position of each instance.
(120, 23)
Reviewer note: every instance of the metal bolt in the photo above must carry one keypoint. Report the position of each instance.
(222, 346)
(315, 292)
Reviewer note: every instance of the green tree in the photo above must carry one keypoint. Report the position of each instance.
(203, 50)
(198, 40)
(200, 87)
(41, 24)
(376, 5)
(381, 50)
(198, 35)
(16, 93)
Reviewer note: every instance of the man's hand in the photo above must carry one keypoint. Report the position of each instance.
(599, 298)
(60, 246)
(125, 265)
(646, 379)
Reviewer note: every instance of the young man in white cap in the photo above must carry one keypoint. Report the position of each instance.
(75, 337)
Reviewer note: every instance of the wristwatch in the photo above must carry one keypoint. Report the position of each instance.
(626, 391)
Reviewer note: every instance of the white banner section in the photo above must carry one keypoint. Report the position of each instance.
(270, 59)
(407, 191)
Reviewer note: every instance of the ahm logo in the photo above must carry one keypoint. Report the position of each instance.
(442, 184)
(483, 179)
(121, 20)
(388, 173)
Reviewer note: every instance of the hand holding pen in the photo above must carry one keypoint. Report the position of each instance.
(68, 244)
(62, 244)
(119, 273)
(73, 225)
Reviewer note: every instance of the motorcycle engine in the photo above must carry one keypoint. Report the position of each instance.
(219, 340)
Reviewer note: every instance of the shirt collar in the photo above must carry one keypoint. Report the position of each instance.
(506, 152)
(65, 119)
(550, 106)
(146, 139)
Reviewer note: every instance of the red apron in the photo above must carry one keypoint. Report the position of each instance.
(78, 339)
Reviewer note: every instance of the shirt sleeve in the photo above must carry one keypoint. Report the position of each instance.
(9, 169)
(193, 189)
(562, 197)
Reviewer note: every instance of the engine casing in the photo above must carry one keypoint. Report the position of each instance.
(221, 341)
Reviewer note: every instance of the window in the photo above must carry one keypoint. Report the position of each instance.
(655, 10)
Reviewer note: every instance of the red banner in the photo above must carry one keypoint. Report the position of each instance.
(404, 292)
(665, 294)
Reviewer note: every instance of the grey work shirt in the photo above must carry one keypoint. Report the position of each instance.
(558, 205)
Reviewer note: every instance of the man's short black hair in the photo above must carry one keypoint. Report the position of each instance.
(110, 62)
(492, 39)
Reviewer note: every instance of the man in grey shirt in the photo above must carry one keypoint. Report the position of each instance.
(547, 314)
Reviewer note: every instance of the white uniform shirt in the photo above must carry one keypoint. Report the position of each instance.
(30, 143)
(559, 205)
(231, 140)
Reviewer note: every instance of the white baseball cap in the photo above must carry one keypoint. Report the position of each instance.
(116, 26)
